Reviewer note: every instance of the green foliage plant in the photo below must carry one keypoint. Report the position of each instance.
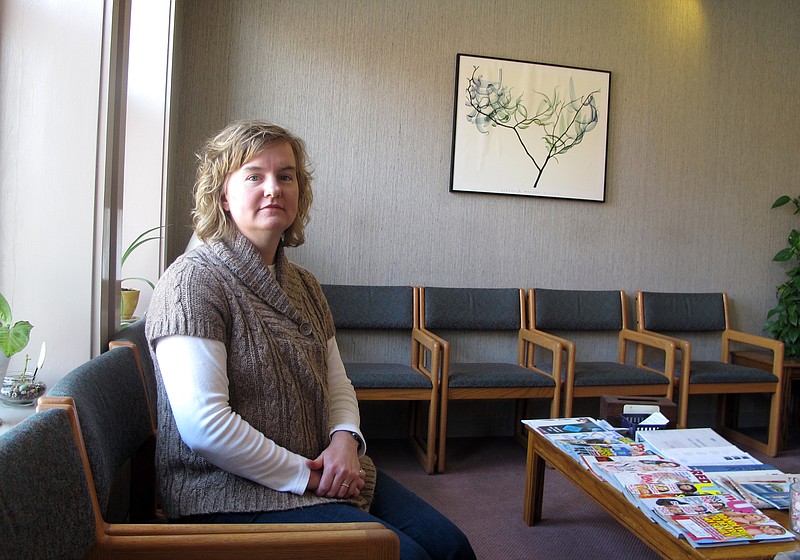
(13, 336)
(144, 237)
(783, 322)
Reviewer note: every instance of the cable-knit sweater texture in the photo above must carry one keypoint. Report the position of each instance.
(275, 329)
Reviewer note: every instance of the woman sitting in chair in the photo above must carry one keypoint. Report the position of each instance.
(257, 420)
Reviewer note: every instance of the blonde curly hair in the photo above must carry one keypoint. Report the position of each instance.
(225, 152)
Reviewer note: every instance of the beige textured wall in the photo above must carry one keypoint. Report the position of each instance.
(703, 136)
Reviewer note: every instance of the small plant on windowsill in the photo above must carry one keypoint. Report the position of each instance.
(130, 296)
(14, 337)
(783, 321)
(22, 388)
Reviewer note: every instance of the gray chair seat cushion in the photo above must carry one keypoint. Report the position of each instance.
(720, 372)
(612, 373)
(385, 376)
(496, 375)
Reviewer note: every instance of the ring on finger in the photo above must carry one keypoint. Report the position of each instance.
(345, 485)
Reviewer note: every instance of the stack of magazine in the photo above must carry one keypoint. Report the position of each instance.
(693, 483)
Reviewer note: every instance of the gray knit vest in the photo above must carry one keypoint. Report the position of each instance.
(275, 329)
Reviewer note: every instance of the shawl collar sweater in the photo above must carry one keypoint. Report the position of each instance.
(275, 329)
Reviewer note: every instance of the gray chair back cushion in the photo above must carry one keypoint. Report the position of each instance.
(45, 508)
(371, 307)
(113, 413)
(577, 310)
(135, 333)
(472, 308)
(677, 312)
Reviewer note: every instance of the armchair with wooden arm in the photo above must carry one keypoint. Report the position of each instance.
(678, 317)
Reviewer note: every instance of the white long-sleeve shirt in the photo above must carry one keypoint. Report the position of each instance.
(196, 382)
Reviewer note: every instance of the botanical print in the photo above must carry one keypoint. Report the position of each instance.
(530, 129)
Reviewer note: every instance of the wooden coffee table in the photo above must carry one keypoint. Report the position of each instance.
(541, 453)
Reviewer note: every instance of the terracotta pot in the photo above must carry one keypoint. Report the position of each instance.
(128, 303)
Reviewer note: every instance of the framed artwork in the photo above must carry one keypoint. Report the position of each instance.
(530, 129)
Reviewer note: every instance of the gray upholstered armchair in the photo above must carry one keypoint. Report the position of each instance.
(111, 427)
(500, 312)
(569, 311)
(685, 315)
(363, 311)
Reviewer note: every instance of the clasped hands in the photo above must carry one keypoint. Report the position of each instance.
(337, 472)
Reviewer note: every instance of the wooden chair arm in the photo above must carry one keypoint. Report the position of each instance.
(279, 541)
(546, 340)
(142, 529)
(435, 345)
(643, 338)
(680, 344)
(667, 344)
(770, 344)
(752, 339)
(557, 346)
(427, 339)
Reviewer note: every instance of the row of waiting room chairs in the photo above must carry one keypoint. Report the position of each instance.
(546, 363)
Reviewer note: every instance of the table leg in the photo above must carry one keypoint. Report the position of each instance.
(534, 486)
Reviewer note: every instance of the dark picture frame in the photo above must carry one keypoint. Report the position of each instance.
(530, 129)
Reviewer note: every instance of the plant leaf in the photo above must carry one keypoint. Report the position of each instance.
(140, 240)
(780, 201)
(783, 255)
(15, 338)
(5, 310)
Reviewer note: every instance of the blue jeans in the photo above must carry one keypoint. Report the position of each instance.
(425, 534)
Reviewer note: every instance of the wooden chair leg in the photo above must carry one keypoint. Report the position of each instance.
(442, 436)
(568, 404)
(521, 412)
(683, 409)
(775, 441)
(424, 446)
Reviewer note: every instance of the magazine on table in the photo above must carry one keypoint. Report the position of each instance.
(592, 438)
(715, 520)
(703, 449)
(667, 484)
(729, 459)
(553, 426)
(580, 437)
(763, 490)
(604, 449)
(608, 467)
(694, 438)
(600, 444)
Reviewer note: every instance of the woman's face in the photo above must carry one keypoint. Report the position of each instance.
(261, 196)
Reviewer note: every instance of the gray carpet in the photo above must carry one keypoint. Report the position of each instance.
(482, 493)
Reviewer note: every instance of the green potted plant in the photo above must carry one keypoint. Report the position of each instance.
(783, 321)
(20, 388)
(14, 337)
(130, 296)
